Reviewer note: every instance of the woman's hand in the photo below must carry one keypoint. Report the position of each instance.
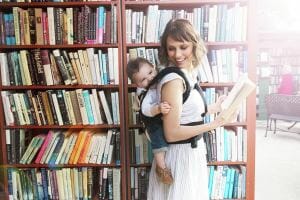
(216, 107)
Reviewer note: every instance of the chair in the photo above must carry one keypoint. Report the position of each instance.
(282, 107)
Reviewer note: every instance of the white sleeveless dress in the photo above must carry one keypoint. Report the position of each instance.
(188, 165)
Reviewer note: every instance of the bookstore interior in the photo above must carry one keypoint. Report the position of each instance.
(68, 129)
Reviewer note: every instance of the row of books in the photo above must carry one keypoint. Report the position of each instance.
(42, 67)
(221, 22)
(139, 180)
(227, 182)
(65, 183)
(140, 147)
(149, 53)
(65, 147)
(226, 145)
(79, 25)
(223, 65)
(61, 107)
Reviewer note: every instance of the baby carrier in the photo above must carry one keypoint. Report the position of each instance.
(157, 119)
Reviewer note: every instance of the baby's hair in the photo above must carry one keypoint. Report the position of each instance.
(134, 65)
(182, 30)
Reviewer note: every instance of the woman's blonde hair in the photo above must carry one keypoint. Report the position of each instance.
(181, 30)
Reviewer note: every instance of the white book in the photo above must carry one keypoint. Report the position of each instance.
(111, 147)
(90, 150)
(240, 91)
(60, 183)
(116, 184)
(70, 148)
(83, 67)
(70, 31)
(94, 148)
(88, 70)
(106, 149)
(79, 66)
(101, 149)
(19, 109)
(82, 108)
(111, 66)
(92, 67)
(9, 117)
(4, 69)
(116, 65)
(69, 106)
(97, 106)
(105, 107)
(57, 109)
(114, 107)
(76, 182)
(51, 26)
(97, 69)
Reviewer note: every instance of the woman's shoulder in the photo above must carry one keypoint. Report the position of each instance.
(170, 77)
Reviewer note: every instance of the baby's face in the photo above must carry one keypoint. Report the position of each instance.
(144, 76)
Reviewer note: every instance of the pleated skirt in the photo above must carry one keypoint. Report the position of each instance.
(189, 169)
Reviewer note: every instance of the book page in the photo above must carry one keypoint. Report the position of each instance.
(240, 91)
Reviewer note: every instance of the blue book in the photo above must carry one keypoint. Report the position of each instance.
(88, 106)
(45, 183)
(60, 138)
(231, 183)
(211, 179)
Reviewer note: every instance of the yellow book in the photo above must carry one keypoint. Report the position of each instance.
(86, 147)
(80, 146)
(75, 148)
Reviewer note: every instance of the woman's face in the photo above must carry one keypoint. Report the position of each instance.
(180, 53)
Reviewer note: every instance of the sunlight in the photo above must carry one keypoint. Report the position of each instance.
(279, 15)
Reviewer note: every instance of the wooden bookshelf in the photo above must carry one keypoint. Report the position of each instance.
(7, 7)
(124, 88)
(249, 44)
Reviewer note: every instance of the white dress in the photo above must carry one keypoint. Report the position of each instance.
(188, 165)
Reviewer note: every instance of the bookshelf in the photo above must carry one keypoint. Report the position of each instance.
(273, 57)
(136, 43)
(80, 38)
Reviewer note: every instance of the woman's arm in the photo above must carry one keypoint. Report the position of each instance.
(172, 93)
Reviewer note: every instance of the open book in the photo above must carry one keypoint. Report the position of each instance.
(240, 91)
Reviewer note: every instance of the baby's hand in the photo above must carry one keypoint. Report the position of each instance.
(164, 107)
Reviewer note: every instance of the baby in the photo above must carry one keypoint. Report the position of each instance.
(141, 72)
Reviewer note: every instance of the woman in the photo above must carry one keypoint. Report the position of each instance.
(182, 47)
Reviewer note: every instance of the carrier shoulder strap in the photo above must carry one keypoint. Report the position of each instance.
(169, 70)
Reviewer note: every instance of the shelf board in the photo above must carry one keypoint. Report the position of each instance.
(55, 4)
(141, 165)
(57, 46)
(204, 85)
(57, 166)
(179, 3)
(51, 87)
(226, 163)
(209, 44)
(210, 163)
(106, 126)
(244, 124)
